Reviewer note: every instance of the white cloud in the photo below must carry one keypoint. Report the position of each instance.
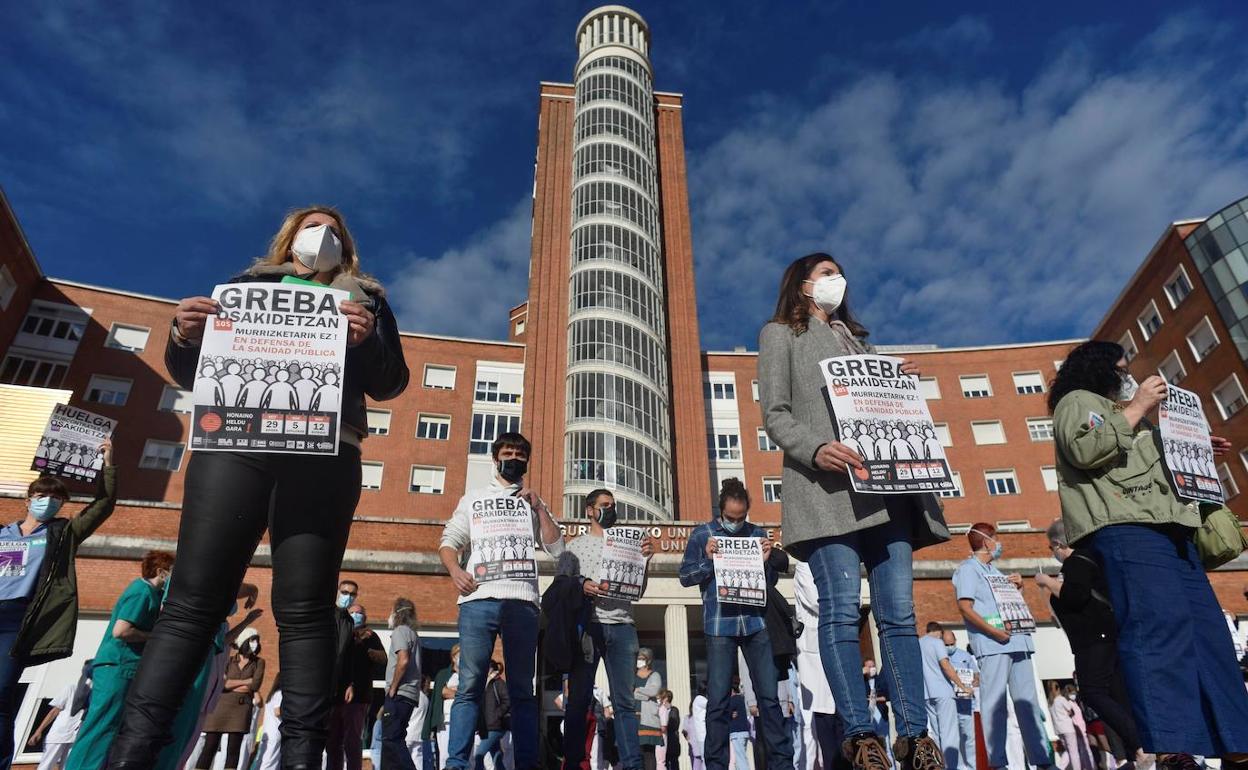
(965, 32)
(969, 211)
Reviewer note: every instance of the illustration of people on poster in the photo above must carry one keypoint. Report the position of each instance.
(1013, 614)
(1186, 446)
(503, 548)
(270, 369)
(623, 570)
(880, 413)
(70, 445)
(739, 574)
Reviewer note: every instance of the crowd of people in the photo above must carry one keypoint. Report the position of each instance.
(173, 685)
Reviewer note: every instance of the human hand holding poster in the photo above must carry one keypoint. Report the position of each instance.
(623, 567)
(1188, 451)
(70, 446)
(1013, 614)
(879, 412)
(739, 574)
(269, 377)
(501, 528)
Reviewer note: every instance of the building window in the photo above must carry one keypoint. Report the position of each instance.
(771, 490)
(943, 434)
(428, 480)
(1178, 287)
(1171, 368)
(765, 444)
(1229, 396)
(725, 446)
(8, 287)
(1040, 428)
(1229, 488)
(176, 400)
(161, 455)
(378, 422)
(1243, 458)
(957, 486)
(1128, 346)
(1149, 321)
(976, 386)
(1202, 340)
(490, 392)
(126, 337)
(754, 389)
(440, 377)
(370, 474)
(720, 391)
(520, 327)
(433, 426)
(929, 387)
(487, 427)
(988, 432)
(32, 372)
(1001, 482)
(1049, 474)
(1026, 383)
(54, 323)
(108, 390)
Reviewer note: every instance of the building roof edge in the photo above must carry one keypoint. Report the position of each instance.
(904, 348)
(4, 201)
(1126, 287)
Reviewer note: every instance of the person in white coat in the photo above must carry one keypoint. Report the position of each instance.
(270, 750)
(816, 695)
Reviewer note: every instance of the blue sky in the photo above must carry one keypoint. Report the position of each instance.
(988, 172)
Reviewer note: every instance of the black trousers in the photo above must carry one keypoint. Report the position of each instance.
(1101, 685)
(306, 503)
(212, 742)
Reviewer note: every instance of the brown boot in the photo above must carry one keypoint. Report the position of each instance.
(865, 751)
(920, 753)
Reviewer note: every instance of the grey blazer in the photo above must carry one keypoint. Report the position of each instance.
(815, 503)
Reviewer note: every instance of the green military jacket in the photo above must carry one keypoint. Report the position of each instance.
(1109, 473)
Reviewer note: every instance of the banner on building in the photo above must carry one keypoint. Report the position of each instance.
(739, 574)
(623, 569)
(269, 377)
(881, 414)
(1013, 614)
(70, 445)
(1185, 444)
(501, 528)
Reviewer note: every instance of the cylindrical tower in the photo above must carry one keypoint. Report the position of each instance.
(618, 431)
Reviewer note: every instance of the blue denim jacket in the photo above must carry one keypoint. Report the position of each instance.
(698, 569)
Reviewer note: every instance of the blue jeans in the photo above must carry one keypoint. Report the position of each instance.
(721, 658)
(1175, 649)
(834, 562)
(740, 750)
(11, 614)
(490, 745)
(394, 752)
(616, 645)
(481, 622)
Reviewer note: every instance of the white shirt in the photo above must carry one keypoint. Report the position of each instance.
(1061, 712)
(64, 728)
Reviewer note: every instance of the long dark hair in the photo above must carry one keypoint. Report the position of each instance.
(1092, 366)
(793, 306)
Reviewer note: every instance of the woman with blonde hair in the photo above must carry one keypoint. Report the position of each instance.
(305, 502)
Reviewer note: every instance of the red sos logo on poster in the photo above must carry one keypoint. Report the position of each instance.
(839, 389)
(222, 324)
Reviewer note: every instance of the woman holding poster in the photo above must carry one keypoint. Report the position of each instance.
(836, 529)
(1118, 505)
(304, 499)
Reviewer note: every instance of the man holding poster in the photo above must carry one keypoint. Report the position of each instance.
(498, 596)
(732, 625)
(603, 557)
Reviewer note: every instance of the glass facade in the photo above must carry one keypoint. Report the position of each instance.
(618, 432)
(1219, 247)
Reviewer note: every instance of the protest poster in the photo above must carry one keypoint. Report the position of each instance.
(739, 574)
(967, 677)
(879, 412)
(70, 445)
(501, 528)
(1186, 447)
(623, 569)
(269, 377)
(1013, 614)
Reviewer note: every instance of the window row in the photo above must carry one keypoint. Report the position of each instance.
(597, 121)
(620, 63)
(616, 88)
(617, 244)
(615, 200)
(494, 392)
(616, 342)
(620, 462)
(1201, 341)
(602, 396)
(1176, 289)
(617, 160)
(424, 479)
(980, 386)
(615, 290)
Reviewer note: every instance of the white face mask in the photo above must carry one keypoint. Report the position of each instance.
(317, 248)
(1128, 389)
(828, 293)
(641, 663)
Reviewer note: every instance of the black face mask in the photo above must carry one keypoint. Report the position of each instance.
(607, 517)
(512, 470)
